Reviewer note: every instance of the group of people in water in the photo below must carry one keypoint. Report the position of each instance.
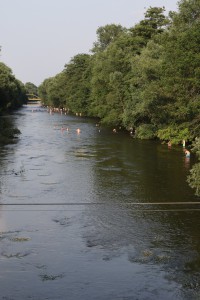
(186, 151)
(78, 131)
(63, 129)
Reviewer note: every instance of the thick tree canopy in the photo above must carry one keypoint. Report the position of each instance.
(12, 91)
(31, 88)
(12, 95)
(145, 78)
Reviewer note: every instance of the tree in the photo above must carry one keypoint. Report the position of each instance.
(77, 83)
(71, 87)
(12, 92)
(165, 80)
(43, 91)
(106, 35)
(194, 177)
(145, 106)
(181, 66)
(155, 22)
(144, 78)
(31, 88)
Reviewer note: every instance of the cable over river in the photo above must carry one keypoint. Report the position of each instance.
(94, 215)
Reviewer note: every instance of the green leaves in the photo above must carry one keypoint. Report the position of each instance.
(12, 91)
(145, 77)
(31, 88)
(106, 35)
(194, 177)
(174, 133)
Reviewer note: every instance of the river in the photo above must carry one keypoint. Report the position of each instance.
(94, 215)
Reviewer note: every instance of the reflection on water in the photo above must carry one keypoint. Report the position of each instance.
(94, 215)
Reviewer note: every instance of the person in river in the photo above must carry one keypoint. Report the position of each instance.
(187, 153)
(169, 144)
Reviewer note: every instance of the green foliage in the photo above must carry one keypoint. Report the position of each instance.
(106, 35)
(12, 91)
(196, 147)
(145, 131)
(71, 87)
(174, 133)
(43, 92)
(7, 132)
(145, 77)
(194, 177)
(77, 85)
(155, 22)
(31, 88)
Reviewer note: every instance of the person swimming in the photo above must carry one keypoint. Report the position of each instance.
(187, 153)
(169, 144)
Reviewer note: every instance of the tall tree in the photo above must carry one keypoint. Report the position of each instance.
(194, 177)
(181, 66)
(12, 92)
(77, 88)
(154, 22)
(106, 35)
(31, 88)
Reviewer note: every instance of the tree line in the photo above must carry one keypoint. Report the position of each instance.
(145, 79)
(12, 90)
(13, 94)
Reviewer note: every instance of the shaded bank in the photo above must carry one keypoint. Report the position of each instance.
(8, 132)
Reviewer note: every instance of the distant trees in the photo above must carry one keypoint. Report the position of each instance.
(71, 87)
(12, 95)
(12, 91)
(31, 88)
(77, 74)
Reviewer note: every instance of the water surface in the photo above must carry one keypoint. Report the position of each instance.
(95, 215)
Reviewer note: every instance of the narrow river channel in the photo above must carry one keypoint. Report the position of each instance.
(94, 215)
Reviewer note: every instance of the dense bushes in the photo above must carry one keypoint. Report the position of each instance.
(194, 178)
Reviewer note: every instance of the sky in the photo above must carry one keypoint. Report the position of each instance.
(38, 37)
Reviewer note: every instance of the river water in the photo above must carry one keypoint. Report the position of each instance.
(95, 215)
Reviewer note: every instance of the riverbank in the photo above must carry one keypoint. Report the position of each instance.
(8, 133)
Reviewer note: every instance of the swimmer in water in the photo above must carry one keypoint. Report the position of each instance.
(169, 144)
(187, 153)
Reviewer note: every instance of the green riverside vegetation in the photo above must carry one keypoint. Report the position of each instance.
(12, 96)
(145, 79)
(12, 91)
